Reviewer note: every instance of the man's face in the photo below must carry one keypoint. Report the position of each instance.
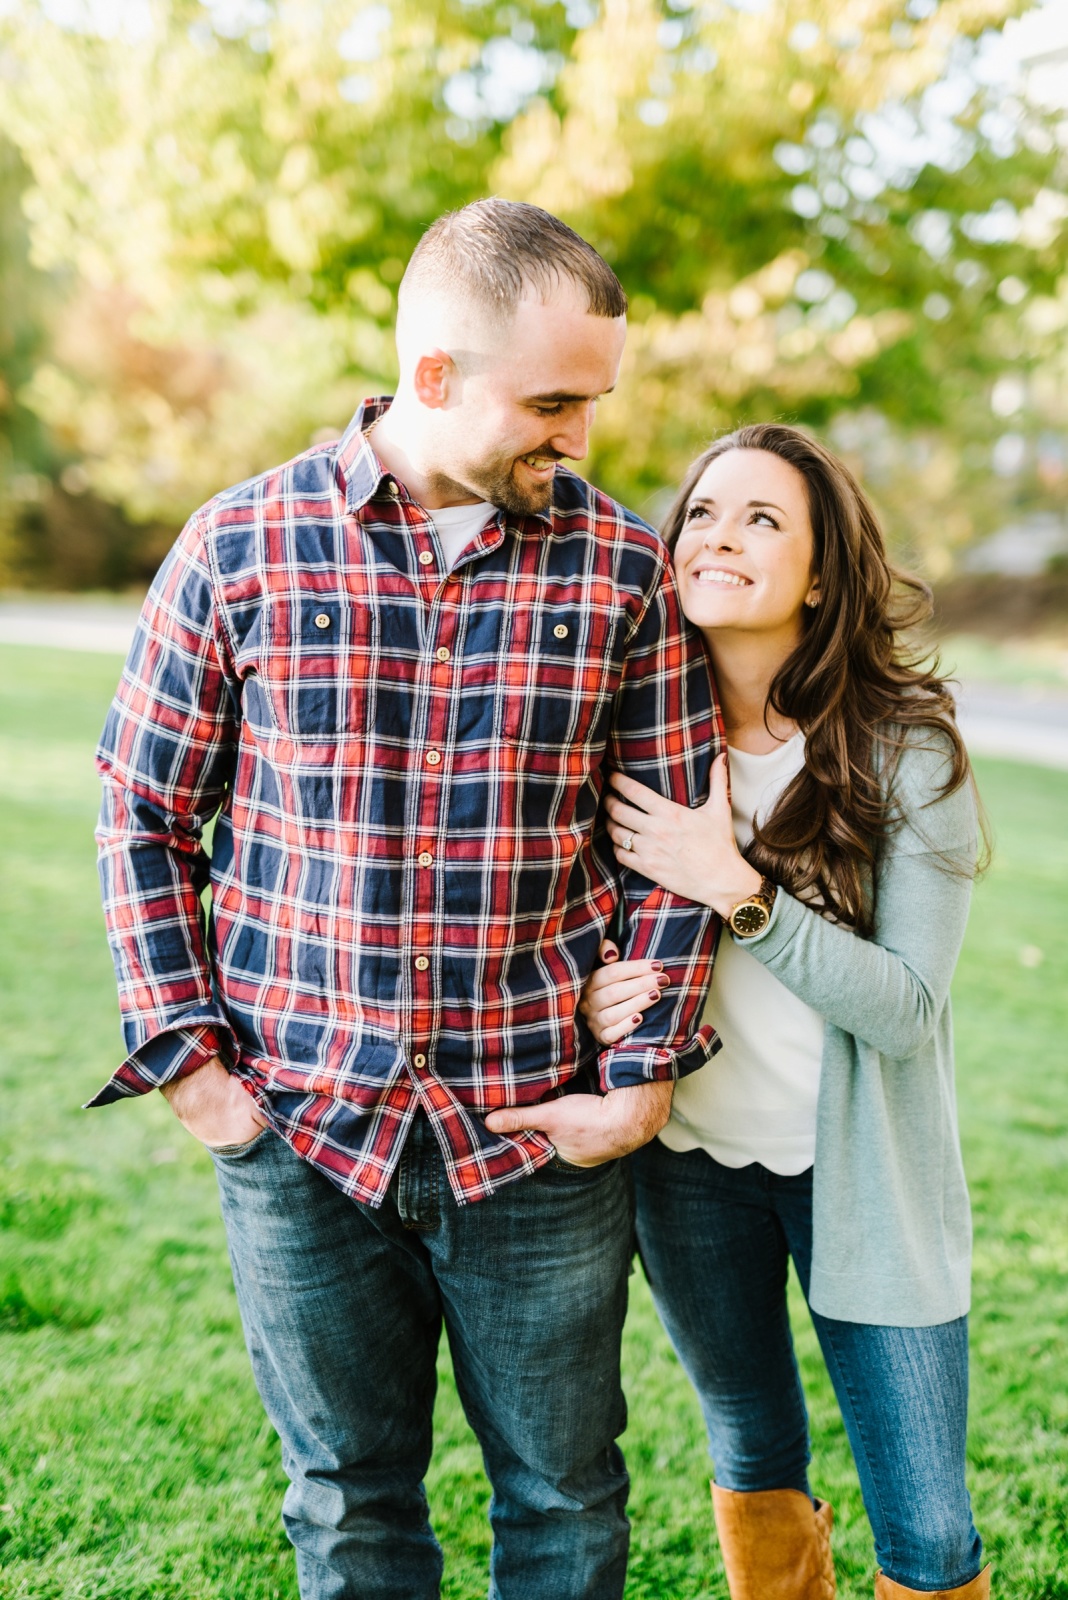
(528, 405)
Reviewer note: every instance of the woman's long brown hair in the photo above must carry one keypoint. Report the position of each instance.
(853, 685)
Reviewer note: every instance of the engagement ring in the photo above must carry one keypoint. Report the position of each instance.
(627, 843)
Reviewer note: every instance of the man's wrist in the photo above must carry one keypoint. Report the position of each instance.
(182, 1085)
(647, 1107)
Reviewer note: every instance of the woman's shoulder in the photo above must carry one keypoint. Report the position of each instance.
(929, 788)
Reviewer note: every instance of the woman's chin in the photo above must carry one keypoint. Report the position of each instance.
(718, 610)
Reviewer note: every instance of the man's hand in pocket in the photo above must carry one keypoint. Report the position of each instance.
(212, 1105)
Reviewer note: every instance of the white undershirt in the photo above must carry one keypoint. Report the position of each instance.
(458, 525)
(756, 1099)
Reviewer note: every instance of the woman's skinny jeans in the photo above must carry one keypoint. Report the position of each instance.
(715, 1242)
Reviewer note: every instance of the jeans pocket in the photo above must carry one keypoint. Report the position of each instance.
(573, 1173)
(235, 1152)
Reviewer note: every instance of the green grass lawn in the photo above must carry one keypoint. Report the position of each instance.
(135, 1463)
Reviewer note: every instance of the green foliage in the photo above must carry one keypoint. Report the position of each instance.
(816, 209)
(24, 449)
(135, 1461)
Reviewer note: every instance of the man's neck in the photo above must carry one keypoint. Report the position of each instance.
(745, 666)
(395, 438)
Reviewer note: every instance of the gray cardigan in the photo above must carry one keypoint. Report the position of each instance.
(891, 1221)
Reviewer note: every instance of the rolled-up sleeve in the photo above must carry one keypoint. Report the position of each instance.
(667, 732)
(165, 759)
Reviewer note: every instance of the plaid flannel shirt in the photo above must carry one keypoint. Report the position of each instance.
(410, 875)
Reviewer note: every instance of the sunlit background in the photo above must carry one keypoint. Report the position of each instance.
(851, 214)
(846, 212)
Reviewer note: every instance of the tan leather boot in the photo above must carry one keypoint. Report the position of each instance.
(776, 1545)
(978, 1589)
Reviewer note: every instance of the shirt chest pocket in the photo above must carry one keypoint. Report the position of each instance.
(557, 676)
(318, 668)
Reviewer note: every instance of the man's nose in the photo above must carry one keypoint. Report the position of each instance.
(572, 436)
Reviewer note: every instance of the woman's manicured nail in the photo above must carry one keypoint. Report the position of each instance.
(663, 980)
(611, 955)
(654, 994)
(636, 1019)
(658, 966)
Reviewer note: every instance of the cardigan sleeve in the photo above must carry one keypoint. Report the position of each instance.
(889, 990)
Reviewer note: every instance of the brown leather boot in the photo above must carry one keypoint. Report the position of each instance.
(776, 1545)
(978, 1589)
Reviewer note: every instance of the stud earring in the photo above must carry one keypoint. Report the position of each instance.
(813, 601)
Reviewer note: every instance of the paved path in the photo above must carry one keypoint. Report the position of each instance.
(104, 627)
(1019, 724)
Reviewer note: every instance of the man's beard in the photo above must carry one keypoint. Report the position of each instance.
(496, 482)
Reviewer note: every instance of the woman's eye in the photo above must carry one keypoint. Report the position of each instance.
(693, 512)
(765, 517)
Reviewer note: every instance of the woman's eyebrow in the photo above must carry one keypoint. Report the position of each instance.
(707, 500)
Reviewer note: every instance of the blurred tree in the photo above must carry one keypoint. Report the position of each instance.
(825, 212)
(821, 208)
(25, 457)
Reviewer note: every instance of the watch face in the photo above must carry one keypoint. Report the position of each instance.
(749, 918)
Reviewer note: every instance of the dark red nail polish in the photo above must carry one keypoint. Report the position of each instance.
(636, 1019)
(663, 980)
(658, 966)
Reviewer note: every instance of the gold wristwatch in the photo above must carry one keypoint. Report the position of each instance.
(752, 915)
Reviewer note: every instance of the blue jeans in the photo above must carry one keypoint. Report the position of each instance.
(343, 1306)
(715, 1243)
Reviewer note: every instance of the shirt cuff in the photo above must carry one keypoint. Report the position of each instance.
(172, 1053)
(624, 1065)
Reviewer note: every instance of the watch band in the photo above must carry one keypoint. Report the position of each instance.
(752, 915)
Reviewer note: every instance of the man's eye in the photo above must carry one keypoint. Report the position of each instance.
(549, 411)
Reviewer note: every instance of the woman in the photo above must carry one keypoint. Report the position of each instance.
(825, 1130)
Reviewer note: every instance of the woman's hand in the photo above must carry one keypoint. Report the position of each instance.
(616, 995)
(691, 851)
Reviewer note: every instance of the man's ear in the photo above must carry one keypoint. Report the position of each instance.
(434, 373)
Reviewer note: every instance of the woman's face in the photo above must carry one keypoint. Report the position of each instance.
(744, 558)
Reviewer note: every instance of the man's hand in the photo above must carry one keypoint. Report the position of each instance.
(211, 1105)
(588, 1129)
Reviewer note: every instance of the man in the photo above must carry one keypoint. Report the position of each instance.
(398, 668)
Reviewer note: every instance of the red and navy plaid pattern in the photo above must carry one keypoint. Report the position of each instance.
(409, 871)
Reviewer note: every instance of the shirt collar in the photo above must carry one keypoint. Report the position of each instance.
(362, 473)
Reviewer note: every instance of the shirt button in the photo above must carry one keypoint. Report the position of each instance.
(322, 620)
(419, 1061)
(560, 631)
(421, 963)
(443, 654)
(433, 758)
(425, 859)
(425, 557)
(392, 487)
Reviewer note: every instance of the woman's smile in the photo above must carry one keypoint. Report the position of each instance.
(710, 576)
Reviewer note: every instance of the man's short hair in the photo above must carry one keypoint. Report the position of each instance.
(497, 251)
